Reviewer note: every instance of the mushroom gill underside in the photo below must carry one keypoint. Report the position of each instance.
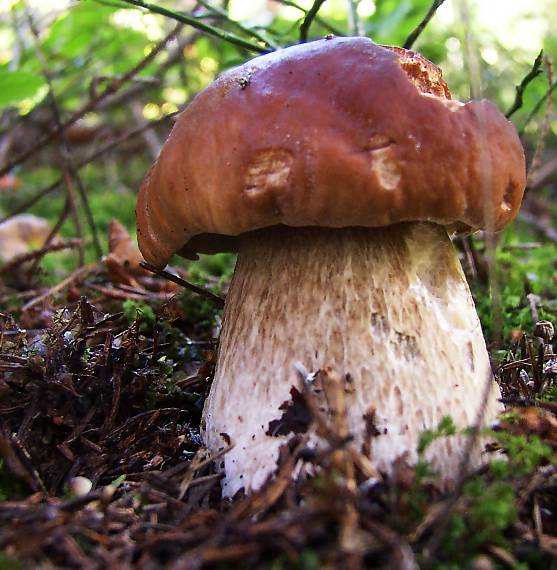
(388, 310)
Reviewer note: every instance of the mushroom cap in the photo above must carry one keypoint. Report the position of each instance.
(333, 133)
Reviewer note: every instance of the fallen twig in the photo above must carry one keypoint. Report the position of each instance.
(77, 275)
(218, 301)
(39, 253)
(120, 293)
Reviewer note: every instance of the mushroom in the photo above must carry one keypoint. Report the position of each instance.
(335, 168)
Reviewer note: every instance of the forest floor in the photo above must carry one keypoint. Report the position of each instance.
(102, 387)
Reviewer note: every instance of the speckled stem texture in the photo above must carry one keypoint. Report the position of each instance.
(388, 310)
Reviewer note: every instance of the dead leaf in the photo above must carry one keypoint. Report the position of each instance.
(124, 256)
(9, 182)
(538, 421)
(21, 234)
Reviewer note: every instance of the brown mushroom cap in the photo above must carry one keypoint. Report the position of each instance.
(332, 133)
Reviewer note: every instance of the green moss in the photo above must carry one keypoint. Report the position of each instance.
(487, 508)
(525, 452)
(445, 428)
(132, 309)
(8, 563)
(308, 560)
(10, 487)
(220, 265)
(550, 394)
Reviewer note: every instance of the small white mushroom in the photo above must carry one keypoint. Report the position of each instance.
(80, 486)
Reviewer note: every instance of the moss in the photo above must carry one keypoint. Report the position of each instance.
(132, 309)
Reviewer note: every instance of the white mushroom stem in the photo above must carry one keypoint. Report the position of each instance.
(388, 309)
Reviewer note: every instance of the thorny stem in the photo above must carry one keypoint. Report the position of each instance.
(310, 16)
(529, 77)
(415, 34)
(199, 25)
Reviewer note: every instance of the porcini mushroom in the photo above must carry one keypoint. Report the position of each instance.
(335, 168)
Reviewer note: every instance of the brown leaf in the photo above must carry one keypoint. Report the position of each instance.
(9, 182)
(22, 233)
(124, 257)
(538, 421)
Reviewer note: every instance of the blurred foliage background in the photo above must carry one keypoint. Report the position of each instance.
(122, 71)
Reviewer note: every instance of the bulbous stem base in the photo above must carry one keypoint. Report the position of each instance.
(388, 310)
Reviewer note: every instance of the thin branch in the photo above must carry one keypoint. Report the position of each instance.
(33, 200)
(529, 77)
(546, 126)
(110, 89)
(318, 18)
(70, 172)
(38, 254)
(97, 154)
(442, 519)
(310, 16)
(542, 174)
(218, 301)
(199, 25)
(53, 233)
(248, 31)
(78, 275)
(127, 135)
(71, 208)
(353, 18)
(536, 222)
(538, 106)
(415, 34)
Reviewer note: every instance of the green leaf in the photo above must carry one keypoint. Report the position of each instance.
(75, 31)
(446, 427)
(18, 85)
(118, 481)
